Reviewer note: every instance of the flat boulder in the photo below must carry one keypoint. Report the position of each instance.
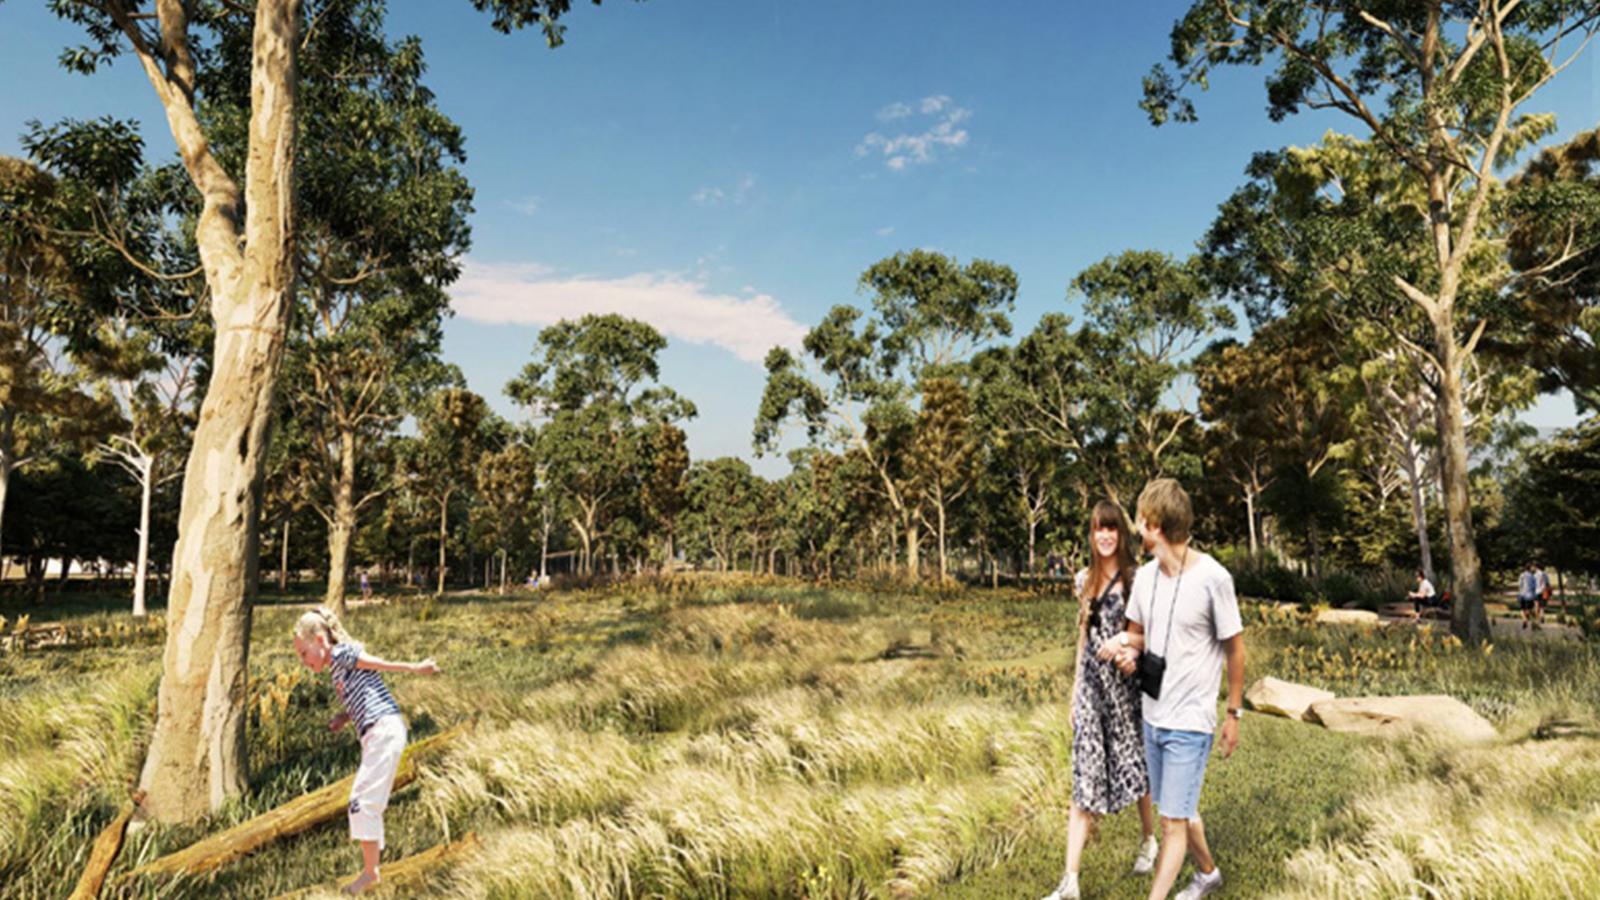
(1284, 698)
(1347, 617)
(1435, 715)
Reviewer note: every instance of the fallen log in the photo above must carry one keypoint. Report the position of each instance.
(300, 814)
(405, 874)
(103, 854)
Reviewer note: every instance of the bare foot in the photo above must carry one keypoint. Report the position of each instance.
(362, 883)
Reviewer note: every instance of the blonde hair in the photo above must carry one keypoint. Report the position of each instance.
(321, 622)
(1164, 504)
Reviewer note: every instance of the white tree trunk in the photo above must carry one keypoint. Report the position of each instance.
(141, 569)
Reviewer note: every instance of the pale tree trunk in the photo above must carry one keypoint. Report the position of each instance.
(197, 757)
(1419, 519)
(8, 464)
(544, 553)
(503, 578)
(5, 483)
(587, 542)
(913, 544)
(283, 557)
(444, 538)
(141, 569)
(342, 523)
(944, 559)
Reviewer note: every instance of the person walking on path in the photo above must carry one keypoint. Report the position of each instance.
(1183, 626)
(1528, 594)
(1542, 597)
(1108, 763)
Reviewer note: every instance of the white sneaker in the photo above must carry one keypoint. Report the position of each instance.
(1145, 862)
(1066, 890)
(1201, 885)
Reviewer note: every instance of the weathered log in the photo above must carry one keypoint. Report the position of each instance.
(405, 874)
(300, 814)
(103, 854)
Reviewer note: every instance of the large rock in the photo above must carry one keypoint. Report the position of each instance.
(1284, 698)
(1347, 617)
(1436, 715)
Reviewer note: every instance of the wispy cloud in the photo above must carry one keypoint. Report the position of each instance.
(736, 194)
(680, 307)
(527, 205)
(894, 111)
(884, 231)
(941, 120)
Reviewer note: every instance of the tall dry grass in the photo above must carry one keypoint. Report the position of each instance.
(66, 754)
(1514, 821)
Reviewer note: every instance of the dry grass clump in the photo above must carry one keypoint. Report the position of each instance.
(532, 772)
(1509, 821)
(798, 734)
(65, 752)
(647, 689)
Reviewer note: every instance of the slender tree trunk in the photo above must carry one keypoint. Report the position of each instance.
(283, 556)
(444, 537)
(944, 560)
(6, 468)
(141, 568)
(197, 757)
(342, 526)
(544, 554)
(1468, 620)
(1419, 519)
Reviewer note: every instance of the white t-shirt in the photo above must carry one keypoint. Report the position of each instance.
(1206, 613)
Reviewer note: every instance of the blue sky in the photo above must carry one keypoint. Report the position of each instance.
(727, 168)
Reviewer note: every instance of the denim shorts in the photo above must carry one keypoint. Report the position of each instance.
(1177, 762)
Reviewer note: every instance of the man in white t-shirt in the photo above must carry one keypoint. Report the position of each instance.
(1183, 609)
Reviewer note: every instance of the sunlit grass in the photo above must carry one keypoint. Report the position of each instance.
(695, 737)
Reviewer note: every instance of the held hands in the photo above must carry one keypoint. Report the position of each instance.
(1127, 660)
(426, 667)
(338, 721)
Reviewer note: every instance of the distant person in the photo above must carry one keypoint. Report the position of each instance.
(1108, 761)
(366, 586)
(1183, 627)
(1542, 599)
(324, 646)
(1421, 594)
(1528, 594)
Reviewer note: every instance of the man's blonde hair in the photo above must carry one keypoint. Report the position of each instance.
(1165, 504)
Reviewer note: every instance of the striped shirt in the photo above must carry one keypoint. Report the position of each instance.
(362, 691)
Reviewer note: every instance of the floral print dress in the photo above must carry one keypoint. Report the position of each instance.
(1108, 764)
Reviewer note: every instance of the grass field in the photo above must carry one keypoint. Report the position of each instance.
(730, 738)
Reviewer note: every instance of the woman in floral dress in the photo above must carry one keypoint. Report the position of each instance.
(1108, 761)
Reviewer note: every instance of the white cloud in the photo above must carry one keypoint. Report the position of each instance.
(680, 307)
(894, 111)
(914, 148)
(736, 194)
(527, 205)
(884, 231)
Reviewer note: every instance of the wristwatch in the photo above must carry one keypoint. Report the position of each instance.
(1122, 638)
(1233, 712)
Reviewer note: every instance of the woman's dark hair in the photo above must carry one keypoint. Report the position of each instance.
(1106, 515)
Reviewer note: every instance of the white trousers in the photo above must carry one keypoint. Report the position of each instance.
(381, 747)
